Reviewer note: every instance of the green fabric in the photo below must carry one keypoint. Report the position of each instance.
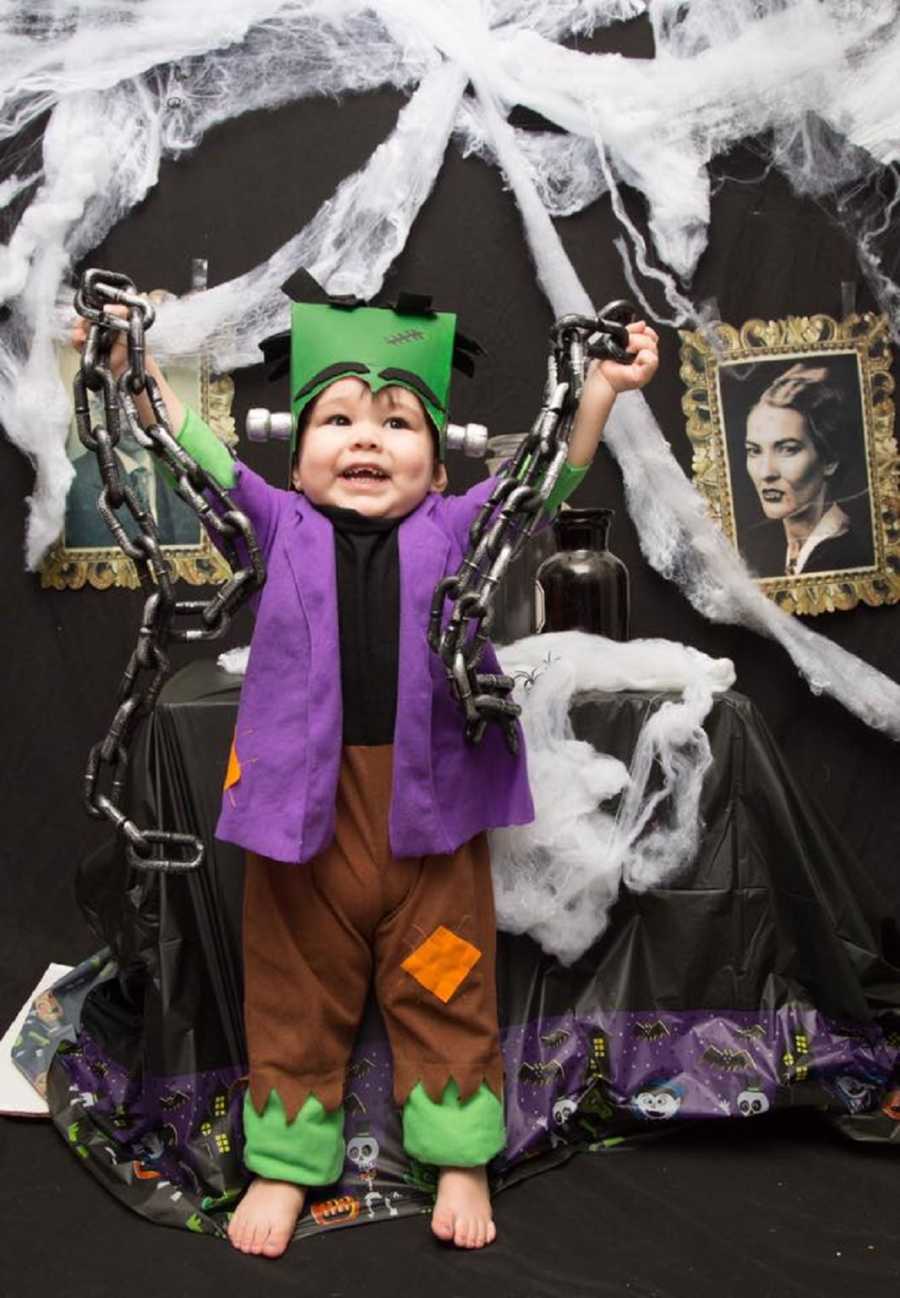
(307, 1151)
(570, 477)
(325, 338)
(453, 1133)
(201, 443)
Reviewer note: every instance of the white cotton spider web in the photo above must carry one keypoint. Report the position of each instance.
(556, 19)
(677, 538)
(721, 73)
(128, 82)
(557, 878)
(348, 246)
(563, 167)
(87, 188)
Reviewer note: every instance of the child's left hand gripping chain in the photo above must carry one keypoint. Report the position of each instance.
(603, 382)
(643, 343)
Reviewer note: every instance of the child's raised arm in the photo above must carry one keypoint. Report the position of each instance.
(198, 440)
(118, 361)
(603, 383)
(250, 493)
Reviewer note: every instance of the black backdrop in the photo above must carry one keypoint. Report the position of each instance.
(249, 186)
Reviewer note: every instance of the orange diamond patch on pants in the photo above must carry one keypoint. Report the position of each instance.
(442, 962)
(316, 936)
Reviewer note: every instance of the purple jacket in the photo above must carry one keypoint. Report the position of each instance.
(289, 725)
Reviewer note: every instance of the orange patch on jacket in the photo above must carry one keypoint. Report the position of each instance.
(233, 774)
(442, 962)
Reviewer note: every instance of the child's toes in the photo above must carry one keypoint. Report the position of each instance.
(465, 1233)
(443, 1224)
(277, 1242)
(258, 1238)
(239, 1234)
(490, 1233)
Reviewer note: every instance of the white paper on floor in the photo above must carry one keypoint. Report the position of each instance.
(18, 1098)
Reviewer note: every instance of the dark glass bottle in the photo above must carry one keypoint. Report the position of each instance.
(583, 587)
(514, 606)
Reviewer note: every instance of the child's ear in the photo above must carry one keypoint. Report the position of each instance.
(295, 475)
(439, 478)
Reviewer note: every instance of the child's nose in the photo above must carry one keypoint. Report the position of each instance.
(367, 434)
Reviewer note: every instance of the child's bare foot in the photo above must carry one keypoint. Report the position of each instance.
(265, 1218)
(462, 1213)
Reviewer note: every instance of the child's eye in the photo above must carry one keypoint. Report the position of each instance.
(398, 421)
(340, 420)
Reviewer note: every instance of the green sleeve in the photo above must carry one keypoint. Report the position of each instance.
(202, 445)
(570, 477)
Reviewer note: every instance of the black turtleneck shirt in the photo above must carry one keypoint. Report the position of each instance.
(368, 591)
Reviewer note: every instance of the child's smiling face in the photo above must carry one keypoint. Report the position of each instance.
(372, 452)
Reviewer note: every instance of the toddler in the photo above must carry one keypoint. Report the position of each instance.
(350, 785)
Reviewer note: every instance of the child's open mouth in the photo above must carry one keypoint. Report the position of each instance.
(365, 473)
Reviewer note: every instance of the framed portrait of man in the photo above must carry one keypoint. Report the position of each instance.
(87, 553)
(792, 426)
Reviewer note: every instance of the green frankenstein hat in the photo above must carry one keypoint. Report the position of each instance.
(407, 344)
(381, 347)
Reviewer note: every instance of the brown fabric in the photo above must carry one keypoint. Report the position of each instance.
(316, 935)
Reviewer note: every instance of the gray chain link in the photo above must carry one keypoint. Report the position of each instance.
(509, 516)
(148, 667)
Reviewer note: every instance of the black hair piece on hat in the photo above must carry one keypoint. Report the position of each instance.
(276, 350)
(302, 287)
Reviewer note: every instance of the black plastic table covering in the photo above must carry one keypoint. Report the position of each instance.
(766, 977)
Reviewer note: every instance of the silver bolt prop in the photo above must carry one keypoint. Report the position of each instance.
(471, 439)
(261, 424)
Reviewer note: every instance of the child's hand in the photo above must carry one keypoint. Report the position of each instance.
(118, 361)
(118, 354)
(603, 383)
(644, 342)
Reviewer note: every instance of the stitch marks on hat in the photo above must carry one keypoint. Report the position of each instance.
(407, 336)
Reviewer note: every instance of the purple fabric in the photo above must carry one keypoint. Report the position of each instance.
(288, 733)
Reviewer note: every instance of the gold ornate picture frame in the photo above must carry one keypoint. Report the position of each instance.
(86, 553)
(792, 427)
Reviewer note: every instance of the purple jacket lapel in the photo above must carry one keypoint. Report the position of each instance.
(423, 548)
(308, 545)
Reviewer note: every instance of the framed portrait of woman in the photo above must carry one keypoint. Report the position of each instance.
(87, 553)
(792, 425)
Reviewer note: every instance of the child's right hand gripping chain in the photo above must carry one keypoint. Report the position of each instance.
(117, 362)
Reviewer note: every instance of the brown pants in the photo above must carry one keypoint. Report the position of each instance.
(316, 934)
